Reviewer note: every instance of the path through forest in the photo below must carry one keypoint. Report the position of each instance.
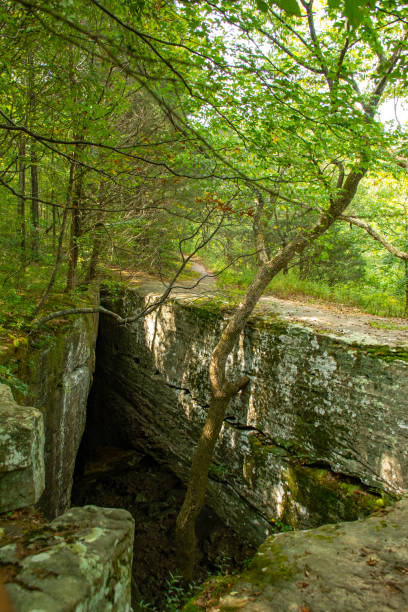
(341, 321)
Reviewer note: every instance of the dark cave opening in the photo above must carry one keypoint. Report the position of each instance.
(113, 470)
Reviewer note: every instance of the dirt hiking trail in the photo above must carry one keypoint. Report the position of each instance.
(341, 321)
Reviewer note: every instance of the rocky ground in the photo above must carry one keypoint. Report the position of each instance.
(356, 567)
(153, 494)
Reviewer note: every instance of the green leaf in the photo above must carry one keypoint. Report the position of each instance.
(354, 11)
(289, 6)
(262, 6)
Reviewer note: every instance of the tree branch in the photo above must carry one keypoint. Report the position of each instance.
(376, 235)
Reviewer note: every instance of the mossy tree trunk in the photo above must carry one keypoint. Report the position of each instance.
(35, 207)
(222, 389)
(406, 289)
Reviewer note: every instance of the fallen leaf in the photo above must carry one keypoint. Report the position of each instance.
(302, 585)
(372, 561)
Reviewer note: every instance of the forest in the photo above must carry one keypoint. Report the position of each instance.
(137, 133)
(264, 138)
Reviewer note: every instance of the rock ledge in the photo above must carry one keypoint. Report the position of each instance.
(355, 566)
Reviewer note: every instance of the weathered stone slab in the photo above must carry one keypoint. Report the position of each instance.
(81, 562)
(356, 566)
(21, 453)
(323, 420)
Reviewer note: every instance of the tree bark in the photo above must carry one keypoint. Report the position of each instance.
(194, 500)
(35, 216)
(54, 224)
(406, 288)
(21, 199)
(35, 213)
(262, 253)
(377, 236)
(58, 257)
(222, 390)
(96, 251)
(73, 252)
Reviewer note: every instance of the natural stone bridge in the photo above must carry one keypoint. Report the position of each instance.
(320, 434)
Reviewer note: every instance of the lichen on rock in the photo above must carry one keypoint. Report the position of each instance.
(58, 374)
(359, 565)
(81, 562)
(21, 453)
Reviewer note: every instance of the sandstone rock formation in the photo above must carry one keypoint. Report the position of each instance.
(357, 566)
(317, 435)
(21, 453)
(80, 562)
(59, 375)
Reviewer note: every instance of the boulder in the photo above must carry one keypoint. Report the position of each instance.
(358, 566)
(21, 453)
(80, 562)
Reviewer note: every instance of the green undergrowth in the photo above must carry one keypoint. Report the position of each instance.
(269, 566)
(365, 298)
(209, 593)
(357, 295)
(210, 308)
(385, 352)
(176, 595)
(17, 312)
(388, 325)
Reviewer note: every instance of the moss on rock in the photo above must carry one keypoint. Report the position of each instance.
(347, 566)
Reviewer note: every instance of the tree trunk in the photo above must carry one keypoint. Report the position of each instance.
(35, 215)
(54, 224)
(194, 500)
(285, 267)
(262, 253)
(222, 390)
(58, 257)
(73, 252)
(21, 199)
(96, 251)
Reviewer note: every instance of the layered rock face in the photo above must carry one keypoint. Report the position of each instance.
(59, 375)
(322, 420)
